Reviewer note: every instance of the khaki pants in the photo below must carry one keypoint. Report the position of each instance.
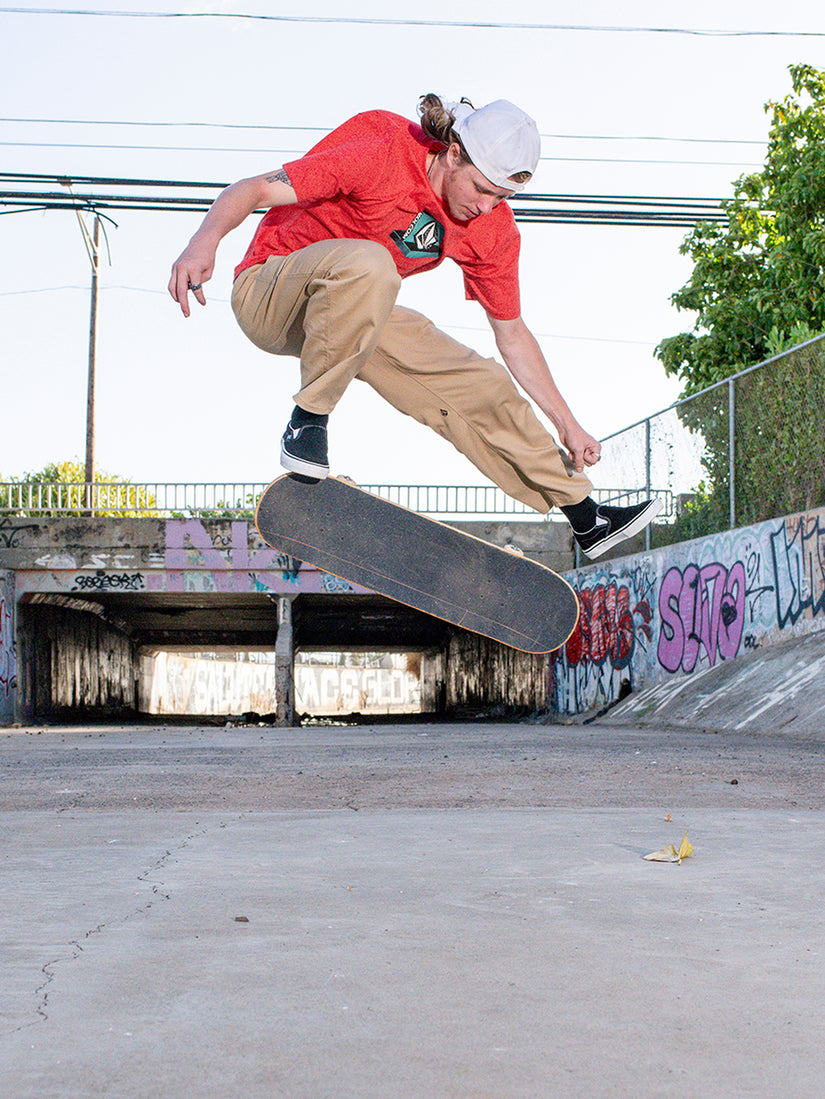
(332, 305)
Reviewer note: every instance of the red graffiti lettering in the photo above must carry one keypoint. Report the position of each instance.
(607, 628)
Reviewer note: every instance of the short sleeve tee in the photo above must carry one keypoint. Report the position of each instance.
(367, 180)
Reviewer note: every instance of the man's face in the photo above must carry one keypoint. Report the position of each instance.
(467, 193)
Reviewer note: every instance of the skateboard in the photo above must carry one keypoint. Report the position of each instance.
(359, 537)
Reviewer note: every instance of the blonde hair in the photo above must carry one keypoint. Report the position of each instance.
(437, 122)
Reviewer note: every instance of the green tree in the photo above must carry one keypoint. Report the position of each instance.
(59, 489)
(757, 289)
(758, 282)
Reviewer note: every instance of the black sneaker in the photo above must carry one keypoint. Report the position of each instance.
(613, 525)
(304, 447)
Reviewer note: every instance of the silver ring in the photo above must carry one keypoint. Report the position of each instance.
(195, 286)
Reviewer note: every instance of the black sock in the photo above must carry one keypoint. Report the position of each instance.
(582, 516)
(300, 416)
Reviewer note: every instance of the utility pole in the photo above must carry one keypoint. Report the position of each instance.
(94, 257)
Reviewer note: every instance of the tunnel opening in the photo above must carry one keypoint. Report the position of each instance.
(205, 657)
(212, 656)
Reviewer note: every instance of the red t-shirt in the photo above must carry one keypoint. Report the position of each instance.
(367, 180)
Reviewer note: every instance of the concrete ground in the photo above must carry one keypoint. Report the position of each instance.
(412, 911)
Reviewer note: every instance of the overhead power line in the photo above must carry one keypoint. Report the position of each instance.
(147, 148)
(469, 24)
(161, 122)
(104, 181)
(274, 151)
(270, 126)
(107, 289)
(259, 151)
(107, 195)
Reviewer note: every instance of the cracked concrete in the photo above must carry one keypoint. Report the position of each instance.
(416, 911)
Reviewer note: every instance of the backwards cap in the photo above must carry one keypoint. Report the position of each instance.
(500, 139)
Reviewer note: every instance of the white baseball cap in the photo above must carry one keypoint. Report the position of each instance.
(500, 139)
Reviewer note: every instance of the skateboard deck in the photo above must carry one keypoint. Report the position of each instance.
(420, 562)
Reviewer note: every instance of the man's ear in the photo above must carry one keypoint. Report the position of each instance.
(453, 155)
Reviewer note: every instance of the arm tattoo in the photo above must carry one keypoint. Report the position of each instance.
(279, 177)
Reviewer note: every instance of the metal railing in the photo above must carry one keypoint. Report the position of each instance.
(237, 499)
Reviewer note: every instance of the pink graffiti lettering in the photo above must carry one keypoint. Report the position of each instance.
(203, 552)
(701, 608)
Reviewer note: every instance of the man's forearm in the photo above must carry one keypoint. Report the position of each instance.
(194, 266)
(526, 362)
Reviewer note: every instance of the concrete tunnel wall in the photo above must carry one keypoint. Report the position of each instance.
(72, 663)
(647, 618)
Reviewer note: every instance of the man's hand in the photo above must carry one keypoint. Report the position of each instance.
(583, 449)
(190, 271)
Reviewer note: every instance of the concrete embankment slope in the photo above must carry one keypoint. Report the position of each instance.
(780, 688)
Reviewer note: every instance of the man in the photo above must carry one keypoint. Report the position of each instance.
(379, 199)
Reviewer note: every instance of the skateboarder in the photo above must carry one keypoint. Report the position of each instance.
(379, 199)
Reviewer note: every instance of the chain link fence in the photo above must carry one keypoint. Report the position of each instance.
(747, 449)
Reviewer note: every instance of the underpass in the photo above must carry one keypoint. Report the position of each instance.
(92, 598)
(429, 909)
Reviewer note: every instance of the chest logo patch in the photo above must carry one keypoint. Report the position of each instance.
(422, 240)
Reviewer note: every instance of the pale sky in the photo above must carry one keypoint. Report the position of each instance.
(192, 400)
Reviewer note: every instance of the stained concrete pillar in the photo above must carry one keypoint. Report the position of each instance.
(285, 664)
(9, 648)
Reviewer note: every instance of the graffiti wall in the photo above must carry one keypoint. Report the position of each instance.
(176, 683)
(173, 683)
(362, 690)
(142, 555)
(687, 607)
(8, 654)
